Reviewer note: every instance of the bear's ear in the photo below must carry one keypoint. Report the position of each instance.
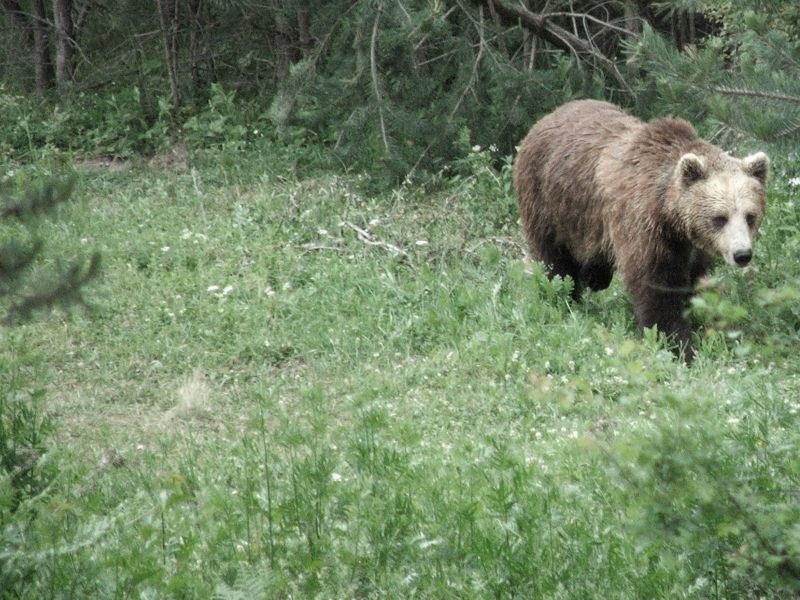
(757, 165)
(692, 168)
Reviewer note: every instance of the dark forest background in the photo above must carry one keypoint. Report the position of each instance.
(396, 88)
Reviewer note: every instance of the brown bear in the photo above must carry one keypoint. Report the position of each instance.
(599, 190)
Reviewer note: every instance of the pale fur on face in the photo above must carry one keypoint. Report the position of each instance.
(724, 204)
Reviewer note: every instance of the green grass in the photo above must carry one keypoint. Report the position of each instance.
(265, 404)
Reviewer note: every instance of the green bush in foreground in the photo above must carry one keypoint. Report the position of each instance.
(713, 489)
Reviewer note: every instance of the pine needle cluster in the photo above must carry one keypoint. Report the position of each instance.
(62, 286)
(746, 78)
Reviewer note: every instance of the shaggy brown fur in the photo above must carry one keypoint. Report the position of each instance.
(598, 190)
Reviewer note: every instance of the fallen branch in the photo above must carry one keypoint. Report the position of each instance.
(314, 247)
(370, 240)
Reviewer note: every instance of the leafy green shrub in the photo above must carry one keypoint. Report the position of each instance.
(740, 83)
(406, 84)
(485, 191)
(25, 126)
(24, 428)
(105, 124)
(223, 121)
(712, 487)
(115, 124)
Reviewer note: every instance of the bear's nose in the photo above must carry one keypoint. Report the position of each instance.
(742, 257)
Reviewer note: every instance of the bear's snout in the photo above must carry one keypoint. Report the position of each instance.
(743, 257)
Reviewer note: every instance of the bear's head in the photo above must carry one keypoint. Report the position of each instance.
(722, 202)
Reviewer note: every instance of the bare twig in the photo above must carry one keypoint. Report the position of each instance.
(542, 27)
(374, 71)
(370, 240)
(314, 247)
(587, 17)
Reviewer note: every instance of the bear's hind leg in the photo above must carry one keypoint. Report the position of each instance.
(559, 261)
(596, 274)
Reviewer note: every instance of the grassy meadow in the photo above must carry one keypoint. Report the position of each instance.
(291, 387)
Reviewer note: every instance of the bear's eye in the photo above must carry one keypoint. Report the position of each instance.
(751, 219)
(719, 221)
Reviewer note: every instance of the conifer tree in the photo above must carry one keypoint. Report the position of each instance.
(746, 77)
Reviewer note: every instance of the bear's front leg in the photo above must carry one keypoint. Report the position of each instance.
(664, 305)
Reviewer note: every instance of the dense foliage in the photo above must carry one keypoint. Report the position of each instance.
(395, 88)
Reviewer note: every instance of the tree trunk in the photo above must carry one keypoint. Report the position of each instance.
(43, 65)
(304, 31)
(633, 20)
(169, 30)
(201, 67)
(34, 39)
(20, 19)
(65, 40)
(285, 38)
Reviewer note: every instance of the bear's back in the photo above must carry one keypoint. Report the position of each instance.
(554, 173)
(562, 149)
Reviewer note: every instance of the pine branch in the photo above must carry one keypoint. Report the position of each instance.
(729, 91)
(63, 290)
(63, 287)
(15, 258)
(790, 130)
(38, 201)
